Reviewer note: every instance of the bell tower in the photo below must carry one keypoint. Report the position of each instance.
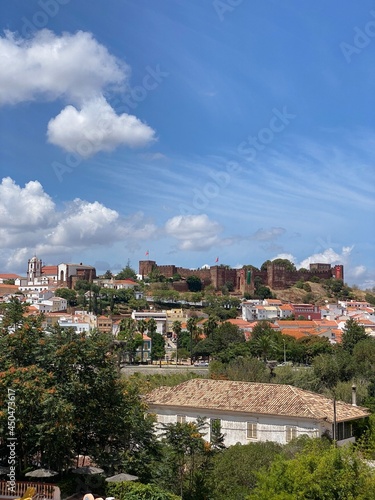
(34, 268)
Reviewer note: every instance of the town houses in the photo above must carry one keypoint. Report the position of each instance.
(37, 289)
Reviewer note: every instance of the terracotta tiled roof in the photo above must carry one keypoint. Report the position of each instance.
(49, 270)
(241, 323)
(295, 324)
(254, 398)
(9, 276)
(296, 333)
(325, 322)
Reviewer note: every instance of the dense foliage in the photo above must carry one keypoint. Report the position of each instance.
(70, 399)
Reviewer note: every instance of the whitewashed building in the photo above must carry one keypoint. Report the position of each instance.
(159, 317)
(248, 412)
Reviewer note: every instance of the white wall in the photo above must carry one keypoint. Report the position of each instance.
(234, 426)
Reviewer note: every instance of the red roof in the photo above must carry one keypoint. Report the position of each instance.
(50, 270)
(9, 276)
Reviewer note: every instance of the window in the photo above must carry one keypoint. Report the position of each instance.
(251, 430)
(291, 433)
(344, 430)
(181, 419)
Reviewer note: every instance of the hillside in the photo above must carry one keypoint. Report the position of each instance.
(318, 294)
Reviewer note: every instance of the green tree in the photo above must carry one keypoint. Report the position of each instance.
(225, 335)
(127, 273)
(129, 490)
(263, 292)
(352, 333)
(187, 456)
(157, 347)
(210, 326)
(108, 275)
(364, 358)
(176, 329)
(13, 314)
(130, 339)
(289, 266)
(142, 327)
(264, 347)
(316, 473)
(60, 380)
(234, 472)
(194, 283)
(192, 329)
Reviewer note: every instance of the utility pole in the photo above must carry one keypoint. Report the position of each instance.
(284, 352)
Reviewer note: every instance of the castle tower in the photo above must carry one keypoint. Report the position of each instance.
(145, 267)
(34, 268)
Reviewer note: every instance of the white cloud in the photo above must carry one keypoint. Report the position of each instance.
(77, 69)
(194, 232)
(96, 127)
(30, 223)
(358, 271)
(84, 223)
(47, 66)
(328, 256)
(26, 207)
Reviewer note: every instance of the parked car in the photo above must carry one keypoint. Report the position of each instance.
(201, 363)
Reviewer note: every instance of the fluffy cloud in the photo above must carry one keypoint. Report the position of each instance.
(78, 69)
(26, 207)
(30, 223)
(96, 127)
(193, 232)
(47, 66)
(329, 256)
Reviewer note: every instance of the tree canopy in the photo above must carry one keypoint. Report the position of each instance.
(70, 400)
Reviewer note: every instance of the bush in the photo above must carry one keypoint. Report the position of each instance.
(128, 490)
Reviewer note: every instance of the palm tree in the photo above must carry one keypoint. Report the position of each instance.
(192, 329)
(177, 328)
(151, 330)
(210, 326)
(142, 327)
(263, 346)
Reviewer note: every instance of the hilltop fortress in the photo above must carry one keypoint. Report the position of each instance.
(277, 277)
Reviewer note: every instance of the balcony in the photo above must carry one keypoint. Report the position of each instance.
(44, 491)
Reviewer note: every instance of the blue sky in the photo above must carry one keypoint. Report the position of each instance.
(192, 130)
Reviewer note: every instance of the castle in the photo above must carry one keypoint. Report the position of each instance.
(276, 277)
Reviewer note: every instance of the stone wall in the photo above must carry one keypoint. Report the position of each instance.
(276, 276)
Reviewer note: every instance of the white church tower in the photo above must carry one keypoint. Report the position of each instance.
(34, 268)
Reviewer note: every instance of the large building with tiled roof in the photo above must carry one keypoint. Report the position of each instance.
(249, 412)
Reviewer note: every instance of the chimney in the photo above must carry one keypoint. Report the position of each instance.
(354, 395)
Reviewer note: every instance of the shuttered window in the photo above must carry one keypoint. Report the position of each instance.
(291, 433)
(251, 430)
